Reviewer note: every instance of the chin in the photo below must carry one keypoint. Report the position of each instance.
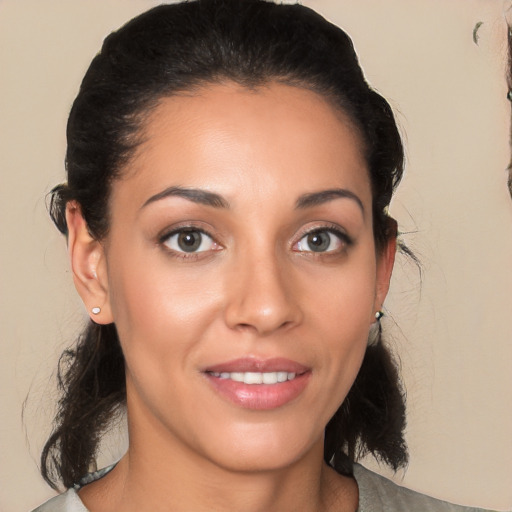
(264, 448)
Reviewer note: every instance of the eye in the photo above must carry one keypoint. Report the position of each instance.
(189, 241)
(322, 240)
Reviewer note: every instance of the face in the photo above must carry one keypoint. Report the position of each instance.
(241, 272)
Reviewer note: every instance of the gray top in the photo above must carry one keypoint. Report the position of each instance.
(376, 494)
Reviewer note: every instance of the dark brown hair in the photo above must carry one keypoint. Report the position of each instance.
(178, 47)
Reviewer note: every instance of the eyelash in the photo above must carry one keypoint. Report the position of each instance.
(163, 240)
(332, 229)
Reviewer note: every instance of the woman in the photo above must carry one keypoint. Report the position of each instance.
(229, 173)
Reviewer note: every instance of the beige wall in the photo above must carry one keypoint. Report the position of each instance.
(454, 333)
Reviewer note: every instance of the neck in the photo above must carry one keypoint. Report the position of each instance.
(188, 487)
(164, 474)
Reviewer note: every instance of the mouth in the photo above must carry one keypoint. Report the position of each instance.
(258, 384)
(256, 377)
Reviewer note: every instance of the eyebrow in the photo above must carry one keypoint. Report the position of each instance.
(196, 195)
(214, 200)
(324, 196)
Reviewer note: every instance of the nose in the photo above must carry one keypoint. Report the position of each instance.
(262, 297)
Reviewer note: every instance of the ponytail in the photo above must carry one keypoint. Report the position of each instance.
(91, 379)
(372, 417)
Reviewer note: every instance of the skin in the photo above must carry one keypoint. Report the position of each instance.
(256, 289)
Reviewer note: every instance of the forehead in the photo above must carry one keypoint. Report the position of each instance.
(231, 139)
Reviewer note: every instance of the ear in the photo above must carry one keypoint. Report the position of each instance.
(385, 262)
(88, 264)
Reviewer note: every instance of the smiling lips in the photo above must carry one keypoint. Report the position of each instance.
(257, 384)
(256, 377)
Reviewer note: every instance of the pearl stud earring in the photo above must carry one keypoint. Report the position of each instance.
(375, 330)
(96, 310)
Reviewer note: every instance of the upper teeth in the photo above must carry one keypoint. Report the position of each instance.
(256, 377)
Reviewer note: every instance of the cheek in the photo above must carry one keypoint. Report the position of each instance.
(344, 298)
(159, 312)
(343, 310)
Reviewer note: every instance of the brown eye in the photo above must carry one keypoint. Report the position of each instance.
(322, 240)
(189, 240)
(318, 242)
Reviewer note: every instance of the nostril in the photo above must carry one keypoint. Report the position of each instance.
(263, 327)
(244, 327)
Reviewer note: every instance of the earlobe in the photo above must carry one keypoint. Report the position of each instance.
(87, 258)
